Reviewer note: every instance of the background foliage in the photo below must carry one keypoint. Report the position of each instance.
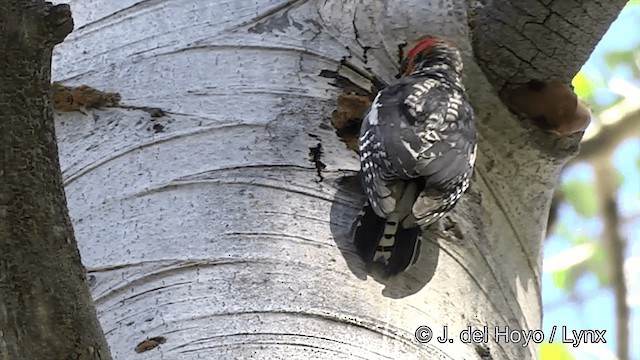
(577, 288)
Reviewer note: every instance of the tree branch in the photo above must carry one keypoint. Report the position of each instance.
(517, 41)
(46, 310)
(605, 181)
(609, 137)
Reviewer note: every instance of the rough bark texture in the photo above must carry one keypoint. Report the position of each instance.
(212, 232)
(519, 40)
(45, 305)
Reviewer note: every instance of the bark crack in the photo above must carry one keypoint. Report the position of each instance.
(357, 36)
(496, 20)
(315, 156)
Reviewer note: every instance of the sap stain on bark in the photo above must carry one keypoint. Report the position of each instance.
(315, 155)
(359, 88)
(68, 98)
(483, 352)
(347, 117)
(153, 112)
(150, 344)
(158, 128)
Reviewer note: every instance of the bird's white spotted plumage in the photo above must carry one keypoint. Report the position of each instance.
(417, 151)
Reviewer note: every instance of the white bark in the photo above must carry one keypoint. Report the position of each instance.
(217, 234)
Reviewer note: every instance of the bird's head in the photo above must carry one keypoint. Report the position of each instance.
(434, 52)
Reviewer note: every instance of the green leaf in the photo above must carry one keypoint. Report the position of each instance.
(598, 264)
(631, 3)
(555, 351)
(563, 230)
(560, 279)
(617, 58)
(579, 262)
(579, 239)
(582, 196)
(582, 85)
(619, 179)
(566, 279)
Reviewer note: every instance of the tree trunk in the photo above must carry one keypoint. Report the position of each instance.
(45, 305)
(220, 230)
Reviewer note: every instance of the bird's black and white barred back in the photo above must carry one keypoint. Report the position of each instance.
(417, 151)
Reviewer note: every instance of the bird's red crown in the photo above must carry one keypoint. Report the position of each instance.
(431, 50)
(421, 46)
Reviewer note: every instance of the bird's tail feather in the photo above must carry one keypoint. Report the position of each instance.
(367, 231)
(406, 251)
(378, 239)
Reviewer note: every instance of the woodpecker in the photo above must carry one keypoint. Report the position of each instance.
(417, 151)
